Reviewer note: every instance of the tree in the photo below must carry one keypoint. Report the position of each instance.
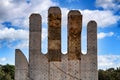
(109, 74)
(7, 72)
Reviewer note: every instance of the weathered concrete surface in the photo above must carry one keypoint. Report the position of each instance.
(54, 34)
(21, 66)
(74, 34)
(89, 61)
(38, 63)
(74, 44)
(92, 50)
(54, 65)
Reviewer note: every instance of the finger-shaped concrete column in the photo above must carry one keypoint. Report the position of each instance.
(35, 47)
(92, 38)
(34, 37)
(54, 34)
(91, 58)
(74, 34)
(35, 32)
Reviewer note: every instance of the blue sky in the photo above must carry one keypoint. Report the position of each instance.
(14, 26)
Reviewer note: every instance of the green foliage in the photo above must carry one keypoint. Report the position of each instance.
(7, 72)
(109, 74)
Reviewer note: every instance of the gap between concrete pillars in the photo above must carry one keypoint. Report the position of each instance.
(74, 35)
(54, 34)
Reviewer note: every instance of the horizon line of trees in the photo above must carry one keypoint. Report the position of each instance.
(109, 74)
(7, 73)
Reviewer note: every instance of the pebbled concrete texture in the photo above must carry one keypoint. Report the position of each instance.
(54, 65)
(21, 66)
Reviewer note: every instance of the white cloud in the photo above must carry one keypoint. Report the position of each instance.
(25, 42)
(18, 12)
(21, 45)
(108, 4)
(108, 61)
(3, 59)
(10, 7)
(105, 3)
(103, 18)
(12, 34)
(102, 35)
(21, 10)
(64, 16)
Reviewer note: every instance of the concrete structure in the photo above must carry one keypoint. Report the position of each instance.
(55, 65)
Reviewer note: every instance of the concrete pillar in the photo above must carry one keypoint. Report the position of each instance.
(21, 66)
(74, 45)
(54, 65)
(54, 43)
(92, 38)
(54, 34)
(35, 33)
(38, 63)
(92, 50)
(74, 35)
(89, 61)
